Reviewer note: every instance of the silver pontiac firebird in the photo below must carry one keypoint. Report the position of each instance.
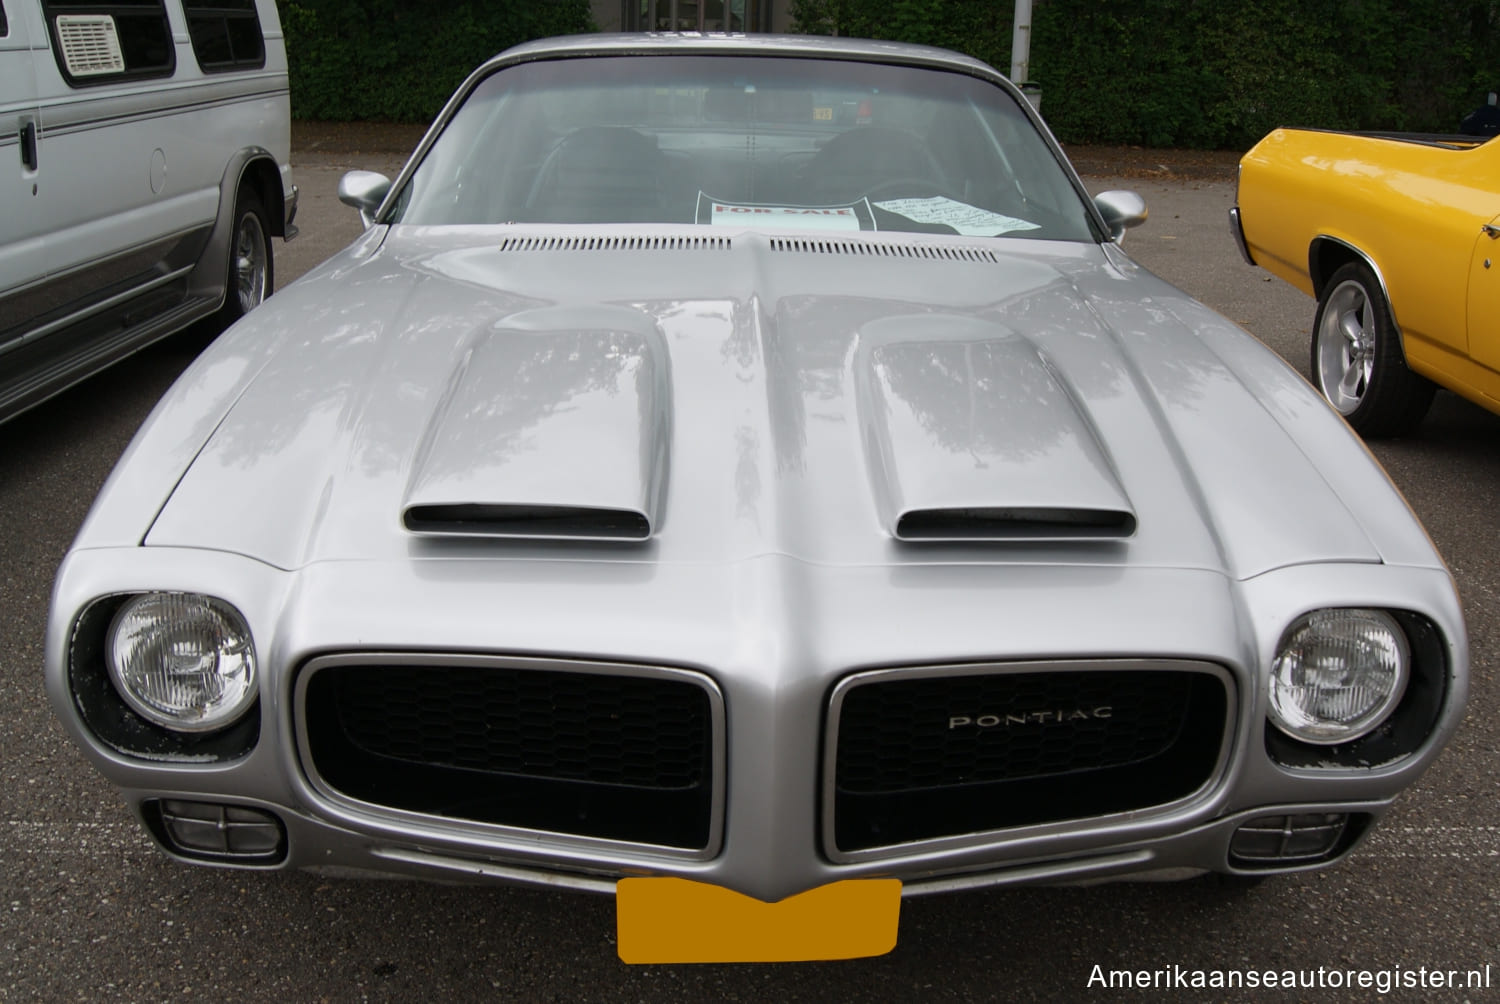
(754, 462)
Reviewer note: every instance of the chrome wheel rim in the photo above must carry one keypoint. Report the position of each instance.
(249, 272)
(1346, 346)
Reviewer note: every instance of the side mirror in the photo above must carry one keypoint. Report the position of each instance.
(365, 191)
(1121, 211)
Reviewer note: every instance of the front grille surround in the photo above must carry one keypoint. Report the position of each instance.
(405, 822)
(1072, 823)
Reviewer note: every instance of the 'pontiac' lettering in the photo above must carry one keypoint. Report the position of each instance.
(1050, 716)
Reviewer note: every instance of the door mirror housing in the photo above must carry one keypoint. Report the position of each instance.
(1121, 211)
(365, 191)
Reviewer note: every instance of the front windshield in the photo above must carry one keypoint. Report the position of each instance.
(769, 143)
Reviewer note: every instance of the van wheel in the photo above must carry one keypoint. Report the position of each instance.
(1357, 362)
(251, 269)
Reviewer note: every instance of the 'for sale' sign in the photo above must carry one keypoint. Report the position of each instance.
(715, 212)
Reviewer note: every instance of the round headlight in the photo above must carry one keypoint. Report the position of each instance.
(182, 660)
(1338, 675)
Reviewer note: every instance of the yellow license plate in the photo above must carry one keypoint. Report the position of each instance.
(822, 114)
(671, 920)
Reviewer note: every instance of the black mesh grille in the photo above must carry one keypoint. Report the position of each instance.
(939, 756)
(593, 754)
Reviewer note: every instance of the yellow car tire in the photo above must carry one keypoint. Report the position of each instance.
(1357, 360)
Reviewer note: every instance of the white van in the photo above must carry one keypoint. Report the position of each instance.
(145, 147)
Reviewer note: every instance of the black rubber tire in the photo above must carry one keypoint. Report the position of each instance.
(1357, 361)
(246, 285)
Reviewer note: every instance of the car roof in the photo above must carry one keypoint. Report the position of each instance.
(803, 46)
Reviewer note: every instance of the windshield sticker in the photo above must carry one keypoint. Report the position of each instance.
(971, 221)
(718, 213)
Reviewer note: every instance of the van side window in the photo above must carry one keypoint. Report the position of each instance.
(98, 43)
(4, 25)
(226, 34)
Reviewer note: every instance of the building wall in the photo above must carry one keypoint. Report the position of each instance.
(608, 14)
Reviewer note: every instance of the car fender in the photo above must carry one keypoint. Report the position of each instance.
(1327, 254)
(254, 166)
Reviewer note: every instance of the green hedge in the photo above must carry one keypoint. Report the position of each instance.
(1212, 73)
(1190, 73)
(397, 61)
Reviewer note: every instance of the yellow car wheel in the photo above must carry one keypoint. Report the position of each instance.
(1357, 362)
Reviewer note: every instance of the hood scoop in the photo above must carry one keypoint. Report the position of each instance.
(1020, 524)
(554, 521)
(971, 436)
(554, 426)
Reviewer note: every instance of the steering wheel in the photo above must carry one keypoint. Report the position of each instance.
(617, 151)
(869, 160)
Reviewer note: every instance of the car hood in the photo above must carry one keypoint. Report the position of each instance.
(669, 396)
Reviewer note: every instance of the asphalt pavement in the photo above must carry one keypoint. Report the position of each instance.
(89, 910)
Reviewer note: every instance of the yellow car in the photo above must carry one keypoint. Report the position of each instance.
(1398, 238)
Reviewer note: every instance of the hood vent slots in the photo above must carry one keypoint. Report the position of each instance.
(542, 521)
(646, 242)
(802, 245)
(1014, 524)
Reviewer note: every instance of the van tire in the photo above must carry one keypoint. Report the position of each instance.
(251, 273)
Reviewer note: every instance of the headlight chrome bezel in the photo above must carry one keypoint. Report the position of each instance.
(217, 697)
(1360, 627)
